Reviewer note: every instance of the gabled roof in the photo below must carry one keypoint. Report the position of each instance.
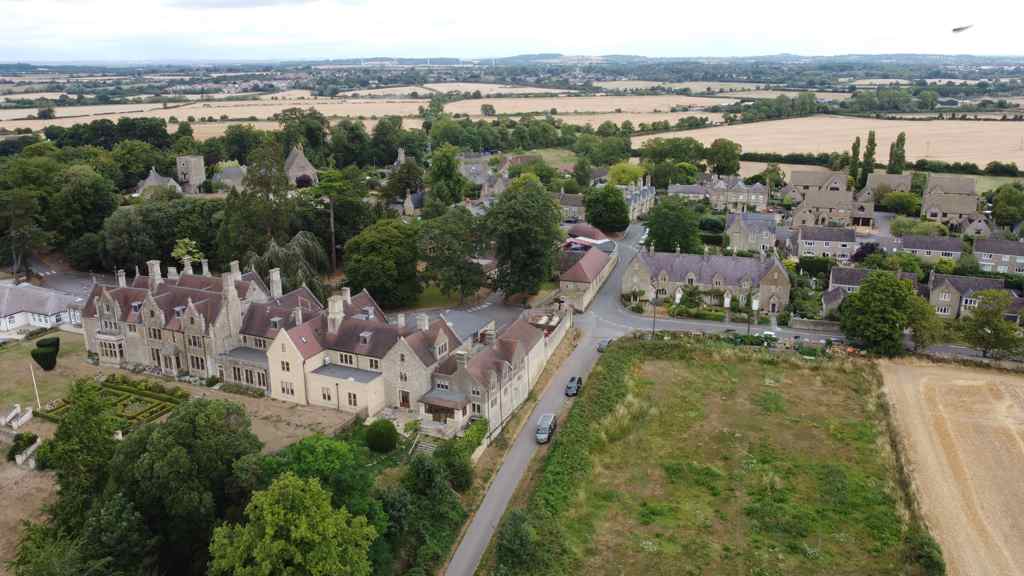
(259, 316)
(732, 269)
(895, 182)
(934, 243)
(950, 184)
(751, 220)
(296, 163)
(155, 179)
(814, 178)
(588, 268)
(518, 338)
(827, 234)
(997, 246)
(587, 231)
(966, 285)
(33, 299)
(842, 276)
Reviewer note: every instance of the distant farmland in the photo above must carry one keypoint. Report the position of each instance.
(565, 104)
(947, 140)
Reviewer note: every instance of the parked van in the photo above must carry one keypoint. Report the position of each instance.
(546, 427)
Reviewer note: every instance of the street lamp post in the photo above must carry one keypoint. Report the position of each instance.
(654, 306)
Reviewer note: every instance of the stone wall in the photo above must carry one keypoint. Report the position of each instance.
(813, 325)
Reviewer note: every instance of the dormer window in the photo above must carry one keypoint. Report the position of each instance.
(364, 337)
(136, 306)
(275, 323)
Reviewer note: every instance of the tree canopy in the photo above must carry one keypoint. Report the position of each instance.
(673, 224)
(606, 209)
(524, 225)
(878, 312)
(382, 259)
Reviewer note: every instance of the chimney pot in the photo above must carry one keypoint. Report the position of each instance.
(172, 272)
(186, 265)
(400, 320)
(335, 312)
(422, 322)
(121, 279)
(489, 337)
(275, 283)
(154, 274)
(298, 315)
(236, 271)
(206, 267)
(460, 358)
(346, 295)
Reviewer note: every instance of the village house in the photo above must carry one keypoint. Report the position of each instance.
(664, 275)
(639, 199)
(689, 192)
(843, 281)
(581, 283)
(996, 255)
(828, 200)
(230, 177)
(301, 173)
(827, 242)
(155, 180)
(953, 296)
(24, 306)
(882, 183)
(727, 193)
(975, 228)
(191, 173)
(750, 231)
(572, 207)
(950, 199)
(932, 248)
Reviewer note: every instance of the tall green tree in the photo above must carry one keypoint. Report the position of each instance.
(672, 225)
(447, 185)
(260, 212)
(926, 328)
(176, 475)
(606, 208)
(524, 225)
(302, 260)
(723, 157)
(986, 327)
(624, 173)
(19, 222)
(82, 201)
(407, 179)
(581, 172)
(46, 551)
(448, 244)
(855, 160)
(898, 155)
(868, 166)
(877, 314)
(115, 535)
(383, 259)
(1008, 204)
(350, 143)
(291, 528)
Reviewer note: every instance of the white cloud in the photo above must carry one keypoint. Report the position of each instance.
(124, 30)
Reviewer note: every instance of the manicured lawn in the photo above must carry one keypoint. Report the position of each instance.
(16, 380)
(985, 183)
(555, 156)
(708, 459)
(431, 297)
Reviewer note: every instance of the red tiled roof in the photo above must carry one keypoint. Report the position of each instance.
(588, 268)
(587, 231)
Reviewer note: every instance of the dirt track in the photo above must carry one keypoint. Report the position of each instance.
(963, 430)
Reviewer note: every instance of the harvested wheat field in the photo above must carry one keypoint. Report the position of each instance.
(98, 110)
(835, 96)
(402, 91)
(488, 89)
(568, 104)
(948, 140)
(963, 433)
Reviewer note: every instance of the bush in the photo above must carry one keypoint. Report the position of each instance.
(243, 390)
(22, 442)
(46, 358)
(49, 342)
(922, 550)
(382, 436)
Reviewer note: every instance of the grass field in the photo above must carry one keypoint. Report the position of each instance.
(695, 86)
(16, 384)
(719, 460)
(947, 140)
(566, 104)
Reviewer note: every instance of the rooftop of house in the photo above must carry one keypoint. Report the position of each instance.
(732, 270)
(893, 182)
(33, 299)
(950, 184)
(813, 178)
(843, 276)
(753, 220)
(586, 231)
(297, 163)
(827, 234)
(934, 243)
(998, 246)
(587, 268)
(966, 285)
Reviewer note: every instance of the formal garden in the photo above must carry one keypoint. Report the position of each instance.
(137, 402)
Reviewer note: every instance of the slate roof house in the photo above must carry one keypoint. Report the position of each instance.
(950, 199)
(750, 231)
(639, 198)
(301, 173)
(828, 199)
(572, 207)
(154, 180)
(932, 248)
(230, 177)
(997, 255)
(27, 306)
(953, 296)
(844, 281)
(582, 281)
(880, 181)
(827, 242)
(721, 278)
(727, 193)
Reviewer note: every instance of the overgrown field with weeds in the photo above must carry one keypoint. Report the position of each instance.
(688, 457)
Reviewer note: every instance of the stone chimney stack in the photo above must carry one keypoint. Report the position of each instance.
(335, 312)
(233, 305)
(186, 266)
(236, 271)
(297, 313)
(172, 272)
(154, 274)
(346, 295)
(121, 279)
(400, 321)
(206, 267)
(489, 337)
(460, 358)
(275, 283)
(422, 322)
(677, 249)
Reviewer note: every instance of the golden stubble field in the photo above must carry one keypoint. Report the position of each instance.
(963, 433)
(566, 104)
(695, 86)
(948, 140)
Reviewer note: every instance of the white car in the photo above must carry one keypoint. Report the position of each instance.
(768, 334)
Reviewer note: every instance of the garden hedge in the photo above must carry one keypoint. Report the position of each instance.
(46, 358)
(49, 342)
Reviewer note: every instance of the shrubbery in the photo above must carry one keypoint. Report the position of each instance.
(22, 442)
(49, 342)
(382, 436)
(46, 358)
(243, 390)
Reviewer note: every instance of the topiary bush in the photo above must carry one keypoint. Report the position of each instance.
(382, 436)
(46, 358)
(49, 342)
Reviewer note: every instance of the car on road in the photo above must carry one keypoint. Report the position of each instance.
(574, 386)
(546, 426)
(604, 344)
(769, 335)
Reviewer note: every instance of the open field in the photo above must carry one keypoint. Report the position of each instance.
(963, 430)
(98, 110)
(32, 96)
(288, 95)
(826, 96)
(566, 104)
(879, 81)
(16, 384)
(731, 461)
(695, 86)
(402, 91)
(488, 89)
(948, 140)
(750, 168)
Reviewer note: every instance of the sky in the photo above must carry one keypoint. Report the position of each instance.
(185, 30)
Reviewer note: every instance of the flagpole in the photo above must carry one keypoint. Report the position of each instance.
(35, 387)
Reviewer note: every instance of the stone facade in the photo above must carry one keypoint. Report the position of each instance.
(950, 200)
(827, 242)
(752, 232)
(953, 296)
(1000, 255)
(191, 173)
